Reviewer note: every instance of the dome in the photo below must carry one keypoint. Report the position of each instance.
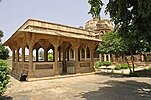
(91, 24)
(96, 24)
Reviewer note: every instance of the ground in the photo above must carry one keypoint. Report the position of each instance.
(89, 87)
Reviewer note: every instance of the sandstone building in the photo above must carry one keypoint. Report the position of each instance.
(73, 49)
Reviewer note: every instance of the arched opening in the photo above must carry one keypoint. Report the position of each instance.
(88, 52)
(51, 54)
(82, 53)
(34, 55)
(71, 54)
(64, 49)
(26, 53)
(20, 55)
(41, 54)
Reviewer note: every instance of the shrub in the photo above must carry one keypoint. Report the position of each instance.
(121, 66)
(117, 67)
(124, 66)
(4, 77)
(98, 64)
(106, 63)
(148, 68)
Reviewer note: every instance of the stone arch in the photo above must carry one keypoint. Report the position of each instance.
(50, 50)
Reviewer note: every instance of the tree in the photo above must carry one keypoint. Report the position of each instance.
(4, 76)
(50, 56)
(132, 19)
(114, 44)
(4, 52)
(95, 8)
(1, 34)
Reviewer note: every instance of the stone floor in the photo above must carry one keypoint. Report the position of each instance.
(88, 87)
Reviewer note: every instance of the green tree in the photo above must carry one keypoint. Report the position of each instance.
(50, 56)
(95, 8)
(4, 76)
(132, 19)
(1, 34)
(114, 44)
(4, 52)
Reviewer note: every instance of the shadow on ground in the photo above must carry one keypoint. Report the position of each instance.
(6, 98)
(117, 90)
(144, 73)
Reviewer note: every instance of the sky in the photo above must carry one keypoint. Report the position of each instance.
(13, 13)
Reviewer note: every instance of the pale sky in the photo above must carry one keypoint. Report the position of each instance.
(13, 13)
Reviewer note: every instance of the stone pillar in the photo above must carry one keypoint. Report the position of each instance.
(13, 59)
(45, 55)
(17, 60)
(30, 70)
(17, 55)
(109, 58)
(104, 57)
(85, 51)
(56, 60)
(37, 54)
(76, 60)
(100, 57)
(92, 59)
(23, 56)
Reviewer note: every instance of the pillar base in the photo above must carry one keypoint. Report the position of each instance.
(30, 75)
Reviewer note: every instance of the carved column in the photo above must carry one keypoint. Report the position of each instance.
(13, 59)
(23, 56)
(92, 59)
(76, 60)
(100, 57)
(30, 71)
(56, 59)
(85, 51)
(104, 57)
(37, 54)
(109, 58)
(45, 55)
(17, 55)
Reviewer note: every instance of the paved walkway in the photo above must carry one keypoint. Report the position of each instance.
(89, 87)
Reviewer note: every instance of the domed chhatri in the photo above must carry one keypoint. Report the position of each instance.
(91, 24)
(99, 25)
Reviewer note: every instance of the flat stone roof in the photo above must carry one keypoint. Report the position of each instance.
(42, 27)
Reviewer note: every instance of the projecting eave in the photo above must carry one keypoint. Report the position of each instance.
(61, 34)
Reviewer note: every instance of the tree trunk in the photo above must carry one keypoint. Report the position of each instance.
(128, 64)
(132, 60)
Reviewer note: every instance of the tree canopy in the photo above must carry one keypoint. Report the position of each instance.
(95, 8)
(132, 20)
(1, 34)
(4, 52)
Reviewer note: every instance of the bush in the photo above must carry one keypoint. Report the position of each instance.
(121, 66)
(118, 67)
(98, 64)
(124, 66)
(4, 76)
(148, 68)
(106, 63)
